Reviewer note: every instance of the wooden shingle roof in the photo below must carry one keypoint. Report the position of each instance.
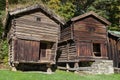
(29, 9)
(38, 7)
(93, 14)
(114, 33)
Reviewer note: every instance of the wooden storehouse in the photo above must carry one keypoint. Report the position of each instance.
(114, 47)
(83, 38)
(32, 34)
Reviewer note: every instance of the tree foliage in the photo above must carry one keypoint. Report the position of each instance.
(64, 8)
(2, 4)
(110, 9)
(3, 43)
(3, 50)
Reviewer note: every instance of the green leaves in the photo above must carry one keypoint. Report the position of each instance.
(110, 9)
(2, 4)
(3, 49)
(65, 9)
(3, 44)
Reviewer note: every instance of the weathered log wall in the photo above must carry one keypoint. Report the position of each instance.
(26, 34)
(118, 47)
(90, 29)
(66, 34)
(84, 32)
(26, 50)
(36, 26)
(67, 52)
(114, 50)
(87, 32)
(11, 51)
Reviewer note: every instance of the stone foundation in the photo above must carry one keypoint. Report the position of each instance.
(101, 67)
(116, 70)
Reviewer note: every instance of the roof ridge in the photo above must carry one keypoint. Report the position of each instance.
(38, 6)
(91, 13)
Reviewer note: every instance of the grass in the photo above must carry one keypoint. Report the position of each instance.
(58, 75)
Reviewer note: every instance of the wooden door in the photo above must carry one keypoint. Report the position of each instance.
(85, 49)
(26, 50)
(103, 50)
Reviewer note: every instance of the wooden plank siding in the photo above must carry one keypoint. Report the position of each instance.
(39, 30)
(72, 51)
(26, 34)
(63, 53)
(30, 33)
(11, 51)
(31, 51)
(84, 33)
(67, 52)
(114, 50)
(66, 34)
(85, 49)
(11, 32)
(118, 47)
(104, 52)
(89, 29)
(26, 50)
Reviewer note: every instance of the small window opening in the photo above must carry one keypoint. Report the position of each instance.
(91, 29)
(38, 19)
(96, 49)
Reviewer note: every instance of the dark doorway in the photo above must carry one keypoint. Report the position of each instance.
(96, 50)
(43, 47)
(45, 50)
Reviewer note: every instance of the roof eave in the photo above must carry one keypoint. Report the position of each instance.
(91, 13)
(29, 8)
(37, 6)
(113, 34)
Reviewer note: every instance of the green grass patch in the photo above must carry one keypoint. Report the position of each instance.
(58, 75)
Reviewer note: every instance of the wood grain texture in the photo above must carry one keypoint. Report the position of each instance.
(31, 51)
(114, 50)
(84, 32)
(45, 29)
(28, 33)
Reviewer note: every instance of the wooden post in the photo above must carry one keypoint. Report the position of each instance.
(49, 71)
(67, 67)
(76, 66)
(67, 51)
(13, 67)
(78, 51)
(56, 44)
